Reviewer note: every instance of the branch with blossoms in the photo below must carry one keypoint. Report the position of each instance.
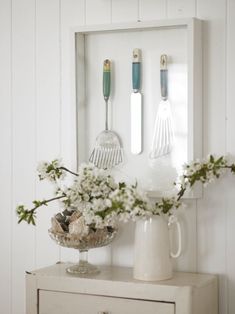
(53, 172)
(29, 215)
(205, 171)
(103, 200)
(94, 193)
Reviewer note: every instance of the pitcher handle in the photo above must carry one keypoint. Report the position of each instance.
(172, 220)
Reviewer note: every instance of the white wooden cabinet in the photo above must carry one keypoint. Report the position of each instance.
(52, 291)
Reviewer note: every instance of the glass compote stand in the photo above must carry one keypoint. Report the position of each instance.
(95, 239)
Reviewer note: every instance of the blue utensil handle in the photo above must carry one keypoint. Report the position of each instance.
(106, 78)
(164, 77)
(136, 76)
(136, 69)
(164, 84)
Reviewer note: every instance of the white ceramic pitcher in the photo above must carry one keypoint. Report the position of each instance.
(152, 253)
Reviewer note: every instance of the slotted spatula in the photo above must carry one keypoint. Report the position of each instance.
(163, 135)
(108, 151)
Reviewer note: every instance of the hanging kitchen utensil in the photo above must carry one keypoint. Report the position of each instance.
(163, 134)
(136, 105)
(107, 152)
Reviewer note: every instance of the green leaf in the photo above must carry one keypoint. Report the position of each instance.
(220, 160)
(212, 159)
(122, 185)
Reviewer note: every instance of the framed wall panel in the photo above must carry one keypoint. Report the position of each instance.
(180, 40)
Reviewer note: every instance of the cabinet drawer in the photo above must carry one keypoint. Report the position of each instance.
(51, 302)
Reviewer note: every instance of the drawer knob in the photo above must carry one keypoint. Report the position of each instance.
(103, 312)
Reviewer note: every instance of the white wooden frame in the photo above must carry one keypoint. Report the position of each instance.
(194, 52)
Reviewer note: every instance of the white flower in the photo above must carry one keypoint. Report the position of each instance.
(50, 171)
(42, 169)
(101, 201)
(111, 219)
(172, 219)
(124, 217)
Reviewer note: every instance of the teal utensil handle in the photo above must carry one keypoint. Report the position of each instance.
(164, 84)
(164, 77)
(136, 76)
(136, 68)
(106, 78)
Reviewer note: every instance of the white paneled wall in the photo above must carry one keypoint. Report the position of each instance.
(37, 121)
(230, 142)
(181, 8)
(152, 9)
(124, 11)
(211, 213)
(23, 141)
(6, 156)
(72, 14)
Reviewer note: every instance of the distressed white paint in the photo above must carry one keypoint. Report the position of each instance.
(115, 290)
(40, 85)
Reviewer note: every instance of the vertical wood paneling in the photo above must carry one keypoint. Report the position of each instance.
(98, 12)
(23, 91)
(123, 245)
(231, 149)
(212, 244)
(48, 116)
(72, 14)
(43, 122)
(180, 8)
(123, 11)
(152, 9)
(214, 73)
(5, 156)
(187, 218)
(212, 208)
(230, 235)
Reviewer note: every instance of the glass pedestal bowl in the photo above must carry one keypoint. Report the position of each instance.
(95, 239)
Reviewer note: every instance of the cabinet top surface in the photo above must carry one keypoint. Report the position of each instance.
(124, 275)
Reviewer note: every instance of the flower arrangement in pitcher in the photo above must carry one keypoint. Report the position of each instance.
(95, 201)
